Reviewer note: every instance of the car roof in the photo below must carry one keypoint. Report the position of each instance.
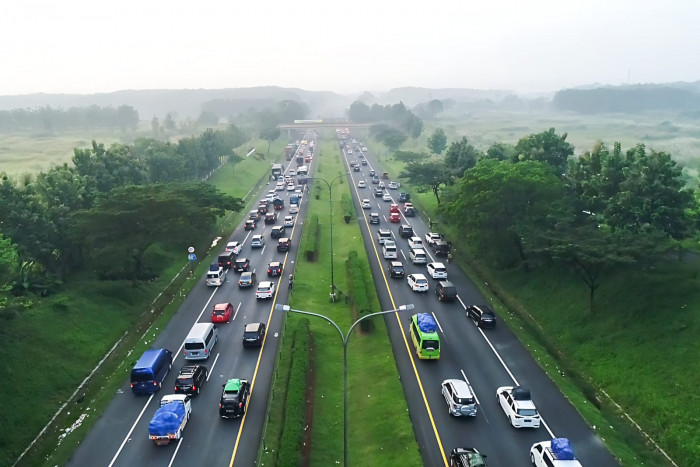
(484, 308)
(277, 263)
(396, 263)
(221, 306)
(461, 386)
(437, 265)
(265, 284)
(252, 327)
(242, 260)
(419, 276)
(233, 385)
(232, 243)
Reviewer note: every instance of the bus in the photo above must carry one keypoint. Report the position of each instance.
(303, 170)
(424, 336)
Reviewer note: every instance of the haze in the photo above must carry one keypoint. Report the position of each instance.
(80, 46)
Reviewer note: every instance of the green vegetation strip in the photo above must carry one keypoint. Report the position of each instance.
(373, 381)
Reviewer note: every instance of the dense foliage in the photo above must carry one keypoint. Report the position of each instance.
(626, 99)
(48, 119)
(396, 118)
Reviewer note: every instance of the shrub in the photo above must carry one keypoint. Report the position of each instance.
(357, 276)
(348, 207)
(309, 242)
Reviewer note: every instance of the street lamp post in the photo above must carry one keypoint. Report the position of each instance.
(344, 338)
(330, 206)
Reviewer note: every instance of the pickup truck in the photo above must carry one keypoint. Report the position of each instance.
(432, 237)
(170, 419)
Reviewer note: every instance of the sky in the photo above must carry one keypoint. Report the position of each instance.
(89, 46)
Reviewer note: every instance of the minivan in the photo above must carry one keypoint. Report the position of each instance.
(226, 259)
(389, 249)
(382, 235)
(441, 248)
(150, 370)
(200, 341)
(405, 231)
(445, 291)
(417, 256)
(216, 278)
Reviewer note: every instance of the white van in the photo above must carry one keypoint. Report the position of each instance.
(200, 341)
(417, 256)
(383, 235)
(216, 278)
(389, 249)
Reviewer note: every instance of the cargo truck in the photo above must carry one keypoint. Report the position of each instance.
(170, 419)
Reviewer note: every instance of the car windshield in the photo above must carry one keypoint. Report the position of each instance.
(250, 335)
(465, 400)
(219, 312)
(527, 412)
(431, 344)
(398, 268)
(184, 380)
(421, 281)
(194, 345)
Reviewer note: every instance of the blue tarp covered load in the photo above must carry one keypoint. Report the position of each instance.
(561, 447)
(426, 323)
(167, 419)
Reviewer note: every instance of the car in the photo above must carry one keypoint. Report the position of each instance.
(518, 406)
(349, 151)
(372, 173)
(226, 259)
(241, 265)
(364, 149)
(418, 282)
(437, 271)
(253, 335)
(395, 218)
(292, 173)
(356, 168)
(407, 206)
(459, 397)
(247, 279)
(403, 197)
(374, 218)
(216, 278)
(293, 209)
(467, 457)
(234, 398)
(393, 185)
(445, 291)
(364, 162)
(375, 180)
(386, 197)
(290, 186)
(381, 185)
(283, 244)
(482, 315)
(396, 269)
(234, 247)
(554, 453)
(274, 269)
(269, 197)
(417, 256)
(250, 225)
(263, 208)
(266, 289)
(190, 379)
(415, 242)
(383, 235)
(270, 217)
(280, 178)
(258, 241)
(393, 207)
(366, 204)
(406, 231)
(432, 237)
(278, 204)
(254, 215)
(289, 221)
(278, 231)
(280, 186)
(378, 192)
(361, 184)
(221, 313)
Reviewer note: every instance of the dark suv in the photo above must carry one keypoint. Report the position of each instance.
(403, 197)
(253, 334)
(482, 316)
(396, 269)
(234, 398)
(406, 231)
(241, 264)
(190, 379)
(226, 259)
(277, 231)
(445, 291)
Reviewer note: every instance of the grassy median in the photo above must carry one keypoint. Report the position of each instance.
(380, 430)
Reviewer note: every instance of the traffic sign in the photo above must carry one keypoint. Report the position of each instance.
(192, 257)
(190, 249)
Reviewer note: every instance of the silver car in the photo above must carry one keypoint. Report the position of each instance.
(459, 397)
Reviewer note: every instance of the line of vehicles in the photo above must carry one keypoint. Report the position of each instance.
(515, 401)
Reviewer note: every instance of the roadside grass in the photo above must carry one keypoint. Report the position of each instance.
(373, 382)
(58, 342)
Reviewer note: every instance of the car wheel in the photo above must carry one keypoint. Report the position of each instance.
(532, 458)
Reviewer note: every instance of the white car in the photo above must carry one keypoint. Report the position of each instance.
(393, 185)
(266, 289)
(386, 197)
(459, 397)
(542, 454)
(292, 173)
(437, 271)
(361, 184)
(518, 406)
(418, 282)
(364, 149)
(432, 237)
(280, 186)
(366, 204)
(235, 247)
(290, 187)
(293, 209)
(258, 241)
(289, 221)
(415, 242)
(381, 184)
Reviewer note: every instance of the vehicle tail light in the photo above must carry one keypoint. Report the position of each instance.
(240, 405)
(194, 388)
(219, 405)
(132, 385)
(155, 383)
(205, 351)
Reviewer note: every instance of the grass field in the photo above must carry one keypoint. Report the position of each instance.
(61, 339)
(373, 382)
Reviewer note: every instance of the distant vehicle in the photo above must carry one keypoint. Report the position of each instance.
(482, 316)
(361, 184)
(170, 419)
(396, 269)
(270, 217)
(250, 225)
(437, 271)
(395, 218)
(386, 197)
(393, 185)
(393, 207)
(459, 397)
(289, 221)
(253, 334)
(266, 289)
(366, 204)
(277, 231)
(415, 242)
(467, 457)
(374, 218)
(241, 265)
(234, 247)
(246, 279)
(274, 269)
(258, 241)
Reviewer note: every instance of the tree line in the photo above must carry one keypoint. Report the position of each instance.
(393, 124)
(125, 118)
(111, 210)
(626, 99)
(532, 203)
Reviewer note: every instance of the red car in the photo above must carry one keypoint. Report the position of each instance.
(395, 218)
(222, 313)
(394, 208)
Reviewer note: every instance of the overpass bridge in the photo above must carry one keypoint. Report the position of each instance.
(305, 125)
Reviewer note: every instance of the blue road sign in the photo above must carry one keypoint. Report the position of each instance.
(192, 257)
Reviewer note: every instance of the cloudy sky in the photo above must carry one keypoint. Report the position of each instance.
(86, 46)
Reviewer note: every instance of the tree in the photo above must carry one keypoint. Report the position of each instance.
(290, 110)
(427, 175)
(359, 112)
(155, 126)
(169, 122)
(269, 135)
(437, 142)
(500, 152)
(461, 156)
(546, 147)
(409, 156)
(128, 118)
(435, 107)
(393, 138)
(208, 118)
(106, 169)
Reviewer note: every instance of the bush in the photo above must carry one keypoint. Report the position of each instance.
(309, 242)
(295, 407)
(348, 207)
(359, 286)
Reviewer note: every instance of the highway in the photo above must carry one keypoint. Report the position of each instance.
(120, 436)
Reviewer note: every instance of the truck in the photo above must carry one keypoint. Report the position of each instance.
(170, 419)
(277, 170)
(300, 159)
(289, 151)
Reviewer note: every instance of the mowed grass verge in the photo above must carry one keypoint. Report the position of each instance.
(50, 349)
(380, 430)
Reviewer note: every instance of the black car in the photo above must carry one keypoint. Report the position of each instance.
(247, 279)
(467, 457)
(441, 248)
(253, 335)
(274, 269)
(190, 379)
(396, 269)
(277, 231)
(250, 225)
(283, 244)
(364, 162)
(406, 231)
(241, 264)
(374, 218)
(445, 291)
(482, 315)
(234, 398)
(356, 168)
(226, 259)
(270, 217)
(372, 173)
(403, 197)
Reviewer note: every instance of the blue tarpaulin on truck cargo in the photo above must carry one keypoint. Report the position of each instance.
(167, 419)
